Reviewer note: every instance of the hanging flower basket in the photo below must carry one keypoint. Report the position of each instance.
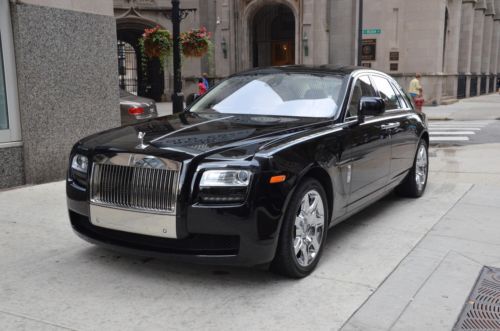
(195, 43)
(156, 43)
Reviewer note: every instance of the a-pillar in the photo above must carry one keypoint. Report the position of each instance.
(487, 43)
(466, 34)
(477, 46)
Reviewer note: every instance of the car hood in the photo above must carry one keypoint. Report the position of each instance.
(211, 134)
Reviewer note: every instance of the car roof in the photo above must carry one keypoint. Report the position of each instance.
(327, 69)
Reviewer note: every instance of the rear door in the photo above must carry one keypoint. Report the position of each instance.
(369, 148)
(400, 127)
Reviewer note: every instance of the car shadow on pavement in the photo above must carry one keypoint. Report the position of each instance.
(180, 273)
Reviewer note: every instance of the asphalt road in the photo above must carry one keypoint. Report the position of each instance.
(403, 264)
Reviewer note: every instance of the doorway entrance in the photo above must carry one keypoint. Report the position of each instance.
(144, 79)
(273, 36)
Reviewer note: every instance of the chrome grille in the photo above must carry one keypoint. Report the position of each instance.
(134, 187)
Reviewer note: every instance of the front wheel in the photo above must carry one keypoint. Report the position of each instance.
(303, 231)
(415, 183)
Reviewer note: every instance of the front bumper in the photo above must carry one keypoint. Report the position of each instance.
(214, 237)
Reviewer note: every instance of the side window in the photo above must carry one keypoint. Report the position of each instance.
(362, 88)
(386, 92)
(403, 98)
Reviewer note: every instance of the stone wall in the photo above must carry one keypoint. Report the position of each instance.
(11, 167)
(67, 80)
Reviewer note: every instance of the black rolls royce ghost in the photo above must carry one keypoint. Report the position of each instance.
(254, 172)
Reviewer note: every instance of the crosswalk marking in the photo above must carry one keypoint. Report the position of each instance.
(435, 128)
(443, 131)
(453, 133)
(449, 138)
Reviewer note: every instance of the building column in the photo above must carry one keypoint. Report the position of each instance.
(487, 41)
(477, 43)
(452, 49)
(343, 32)
(466, 34)
(495, 60)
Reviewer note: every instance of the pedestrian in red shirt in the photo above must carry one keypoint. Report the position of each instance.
(202, 89)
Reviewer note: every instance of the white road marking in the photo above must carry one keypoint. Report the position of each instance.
(459, 126)
(465, 124)
(448, 138)
(451, 133)
(442, 131)
(461, 122)
(433, 128)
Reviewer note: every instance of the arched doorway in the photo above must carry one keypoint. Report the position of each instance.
(127, 67)
(149, 78)
(273, 36)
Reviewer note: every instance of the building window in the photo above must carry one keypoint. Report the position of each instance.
(10, 128)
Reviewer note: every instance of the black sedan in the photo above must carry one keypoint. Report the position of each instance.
(254, 172)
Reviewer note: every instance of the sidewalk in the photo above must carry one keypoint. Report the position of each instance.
(485, 107)
(402, 264)
(164, 108)
(428, 288)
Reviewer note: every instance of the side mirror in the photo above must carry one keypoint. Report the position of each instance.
(370, 106)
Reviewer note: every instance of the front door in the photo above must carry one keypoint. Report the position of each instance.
(282, 53)
(369, 147)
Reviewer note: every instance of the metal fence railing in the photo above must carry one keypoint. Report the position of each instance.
(127, 67)
(484, 79)
(462, 86)
(473, 86)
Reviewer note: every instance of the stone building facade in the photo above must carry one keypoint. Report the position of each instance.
(57, 83)
(452, 43)
(60, 68)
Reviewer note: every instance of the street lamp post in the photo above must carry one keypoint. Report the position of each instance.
(360, 32)
(177, 96)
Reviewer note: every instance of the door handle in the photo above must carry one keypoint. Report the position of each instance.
(390, 126)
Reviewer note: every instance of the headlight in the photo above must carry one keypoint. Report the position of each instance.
(224, 186)
(231, 178)
(80, 163)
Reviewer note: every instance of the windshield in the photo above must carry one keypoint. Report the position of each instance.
(298, 95)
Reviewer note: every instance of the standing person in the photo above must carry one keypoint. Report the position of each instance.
(417, 92)
(415, 89)
(204, 76)
(202, 89)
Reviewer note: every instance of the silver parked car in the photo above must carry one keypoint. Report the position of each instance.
(135, 109)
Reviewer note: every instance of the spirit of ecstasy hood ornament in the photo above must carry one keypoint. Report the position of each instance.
(141, 136)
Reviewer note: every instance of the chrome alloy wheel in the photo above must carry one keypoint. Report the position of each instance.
(309, 228)
(421, 165)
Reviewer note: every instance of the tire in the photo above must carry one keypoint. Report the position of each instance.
(303, 233)
(414, 184)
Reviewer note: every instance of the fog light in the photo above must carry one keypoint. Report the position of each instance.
(222, 195)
